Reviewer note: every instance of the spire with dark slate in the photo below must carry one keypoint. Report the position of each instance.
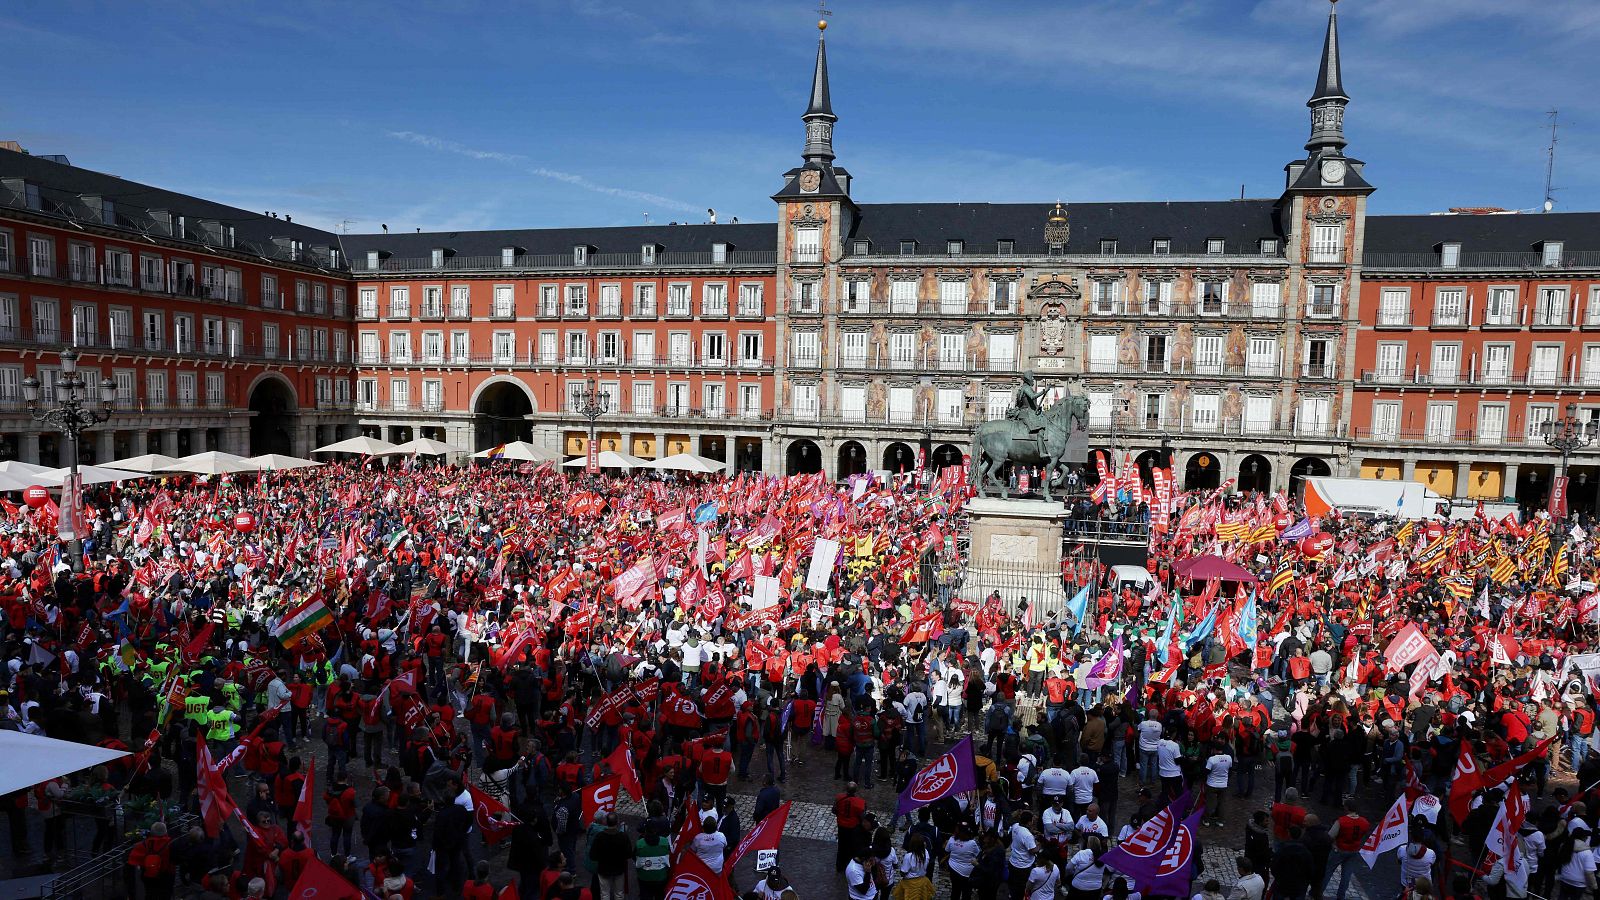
(1328, 101)
(819, 117)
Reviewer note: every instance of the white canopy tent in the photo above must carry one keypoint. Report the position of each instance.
(423, 447)
(277, 462)
(90, 475)
(21, 469)
(213, 462)
(610, 459)
(16, 482)
(150, 462)
(688, 462)
(31, 759)
(363, 445)
(519, 451)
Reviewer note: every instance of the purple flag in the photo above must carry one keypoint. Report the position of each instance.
(1159, 857)
(1296, 531)
(954, 772)
(1107, 669)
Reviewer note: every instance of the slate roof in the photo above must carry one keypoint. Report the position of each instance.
(1188, 224)
(1518, 233)
(551, 241)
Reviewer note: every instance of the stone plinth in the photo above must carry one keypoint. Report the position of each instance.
(1016, 550)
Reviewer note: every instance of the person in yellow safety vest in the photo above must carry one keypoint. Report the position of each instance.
(220, 726)
(231, 696)
(197, 708)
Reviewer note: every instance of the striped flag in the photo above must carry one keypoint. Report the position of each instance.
(1282, 579)
(304, 620)
(1503, 570)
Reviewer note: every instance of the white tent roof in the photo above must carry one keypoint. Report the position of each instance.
(423, 447)
(21, 469)
(150, 462)
(213, 462)
(610, 459)
(17, 482)
(91, 475)
(279, 462)
(688, 462)
(363, 445)
(520, 451)
(31, 759)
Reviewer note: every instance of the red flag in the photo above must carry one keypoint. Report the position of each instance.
(216, 804)
(197, 646)
(600, 799)
(621, 763)
(692, 879)
(319, 881)
(1512, 766)
(302, 806)
(681, 711)
(561, 585)
(1464, 783)
(509, 892)
(923, 628)
(686, 832)
(765, 836)
(494, 820)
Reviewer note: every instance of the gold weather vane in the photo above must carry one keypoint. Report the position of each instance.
(824, 12)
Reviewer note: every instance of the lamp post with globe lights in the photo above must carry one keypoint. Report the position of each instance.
(1566, 434)
(76, 406)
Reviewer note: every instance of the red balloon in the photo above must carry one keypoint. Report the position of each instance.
(35, 496)
(1316, 544)
(245, 522)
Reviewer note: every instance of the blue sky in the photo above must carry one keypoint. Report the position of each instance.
(454, 114)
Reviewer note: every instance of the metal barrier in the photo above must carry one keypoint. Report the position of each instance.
(87, 880)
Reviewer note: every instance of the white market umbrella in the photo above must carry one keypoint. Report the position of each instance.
(20, 482)
(90, 475)
(21, 469)
(150, 462)
(424, 447)
(277, 462)
(363, 445)
(688, 462)
(213, 462)
(519, 451)
(610, 459)
(31, 759)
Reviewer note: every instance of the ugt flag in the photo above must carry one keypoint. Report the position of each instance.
(953, 773)
(1159, 857)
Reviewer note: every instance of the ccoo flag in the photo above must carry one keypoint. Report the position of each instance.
(953, 773)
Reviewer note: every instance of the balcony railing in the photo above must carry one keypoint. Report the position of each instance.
(1473, 378)
(1481, 261)
(734, 259)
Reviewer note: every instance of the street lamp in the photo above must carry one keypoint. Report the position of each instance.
(1567, 434)
(75, 408)
(593, 404)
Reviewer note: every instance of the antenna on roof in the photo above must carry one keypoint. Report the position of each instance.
(1550, 163)
(647, 218)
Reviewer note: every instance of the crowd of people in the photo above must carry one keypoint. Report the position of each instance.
(494, 655)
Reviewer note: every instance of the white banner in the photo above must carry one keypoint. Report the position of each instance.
(823, 557)
(766, 592)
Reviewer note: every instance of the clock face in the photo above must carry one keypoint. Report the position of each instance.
(1333, 171)
(810, 180)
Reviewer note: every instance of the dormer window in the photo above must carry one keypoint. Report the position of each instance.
(436, 258)
(297, 249)
(1449, 256)
(372, 260)
(228, 236)
(908, 248)
(719, 252)
(1269, 246)
(508, 257)
(334, 259)
(1005, 248)
(861, 248)
(1108, 247)
(580, 255)
(1215, 246)
(1550, 253)
(953, 248)
(1161, 246)
(108, 212)
(647, 255)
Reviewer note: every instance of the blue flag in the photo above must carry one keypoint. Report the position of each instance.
(705, 512)
(1204, 629)
(1165, 640)
(1079, 607)
(1247, 621)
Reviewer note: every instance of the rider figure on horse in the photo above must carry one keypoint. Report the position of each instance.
(1025, 406)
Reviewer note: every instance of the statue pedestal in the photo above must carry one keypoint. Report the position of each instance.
(1015, 549)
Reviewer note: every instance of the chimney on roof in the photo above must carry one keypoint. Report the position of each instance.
(288, 218)
(386, 229)
(713, 214)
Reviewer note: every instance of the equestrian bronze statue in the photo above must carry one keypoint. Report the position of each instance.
(1030, 435)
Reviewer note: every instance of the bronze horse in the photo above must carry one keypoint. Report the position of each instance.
(999, 441)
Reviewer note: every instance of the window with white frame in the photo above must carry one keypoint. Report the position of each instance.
(750, 348)
(1318, 358)
(949, 404)
(1544, 364)
(680, 348)
(367, 393)
(807, 296)
(952, 350)
(366, 302)
(338, 301)
(1314, 415)
(1496, 363)
(1258, 417)
(319, 298)
(1446, 365)
(549, 300)
(155, 387)
(81, 264)
(1002, 296)
(183, 333)
(11, 384)
(1391, 360)
(504, 303)
(1538, 414)
(1501, 308)
(369, 352)
(644, 348)
(41, 256)
(752, 300)
(857, 296)
(341, 390)
(714, 299)
(1213, 296)
(611, 300)
(678, 299)
(399, 346)
(1205, 409)
(271, 344)
(902, 401)
(399, 302)
(461, 301)
(952, 296)
(216, 393)
(1099, 408)
(807, 244)
(187, 389)
(577, 348)
(154, 329)
(1208, 354)
(714, 349)
(1327, 243)
(504, 347)
(1550, 253)
(804, 401)
(644, 299)
(1551, 307)
(85, 325)
(5, 251)
(853, 402)
(577, 300)
(1002, 351)
(1103, 352)
(1324, 301)
(1261, 356)
(805, 348)
(433, 347)
(1449, 255)
(1107, 297)
(902, 350)
(1591, 313)
(119, 267)
(211, 336)
(903, 295)
(47, 320)
(152, 276)
(1591, 365)
(1386, 419)
(460, 346)
(713, 399)
(608, 347)
(1491, 423)
(750, 401)
(121, 322)
(1266, 299)
(644, 398)
(1394, 307)
(853, 349)
(399, 393)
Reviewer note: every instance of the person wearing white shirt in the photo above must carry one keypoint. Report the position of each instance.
(710, 845)
(1149, 741)
(1250, 885)
(858, 877)
(1088, 874)
(1416, 861)
(961, 856)
(1090, 823)
(1054, 782)
(1084, 779)
(1218, 765)
(1167, 755)
(1056, 820)
(1022, 847)
(1043, 880)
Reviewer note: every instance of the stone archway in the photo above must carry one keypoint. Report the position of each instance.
(802, 458)
(946, 455)
(277, 413)
(1202, 473)
(852, 459)
(1255, 473)
(500, 413)
(1307, 467)
(899, 457)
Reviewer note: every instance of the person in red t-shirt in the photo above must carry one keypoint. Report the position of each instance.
(1348, 833)
(299, 706)
(434, 646)
(715, 765)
